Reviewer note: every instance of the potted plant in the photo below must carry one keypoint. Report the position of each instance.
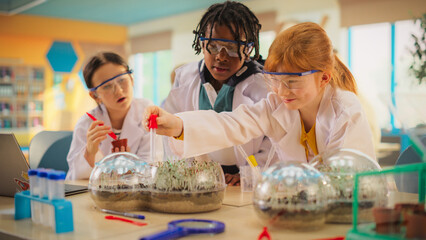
(418, 65)
(387, 220)
(416, 222)
(409, 208)
(119, 143)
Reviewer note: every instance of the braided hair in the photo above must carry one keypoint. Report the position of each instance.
(230, 14)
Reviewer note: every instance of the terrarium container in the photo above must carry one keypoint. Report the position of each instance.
(187, 186)
(121, 182)
(292, 195)
(340, 166)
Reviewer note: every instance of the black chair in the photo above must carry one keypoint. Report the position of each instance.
(408, 182)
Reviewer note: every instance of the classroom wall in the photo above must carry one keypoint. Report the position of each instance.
(288, 11)
(26, 40)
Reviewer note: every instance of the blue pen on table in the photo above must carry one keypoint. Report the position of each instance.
(124, 214)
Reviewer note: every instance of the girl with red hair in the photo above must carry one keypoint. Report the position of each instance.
(312, 106)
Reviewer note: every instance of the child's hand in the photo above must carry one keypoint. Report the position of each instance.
(232, 179)
(168, 124)
(122, 149)
(95, 135)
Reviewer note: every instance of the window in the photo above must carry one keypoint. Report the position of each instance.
(410, 96)
(265, 41)
(152, 75)
(379, 58)
(371, 66)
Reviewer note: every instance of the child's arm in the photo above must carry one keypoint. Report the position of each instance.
(208, 131)
(168, 124)
(79, 167)
(96, 133)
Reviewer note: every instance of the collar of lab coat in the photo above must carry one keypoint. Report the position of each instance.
(129, 130)
(289, 120)
(240, 80)
(187, 95)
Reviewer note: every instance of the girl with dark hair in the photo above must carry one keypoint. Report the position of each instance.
(226, 78)
(110, 82)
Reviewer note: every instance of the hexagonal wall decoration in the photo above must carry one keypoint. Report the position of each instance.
(62, 57)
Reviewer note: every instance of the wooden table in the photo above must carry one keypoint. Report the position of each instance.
(237, 213)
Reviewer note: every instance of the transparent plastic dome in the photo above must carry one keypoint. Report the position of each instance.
(187, 186)
(341, 165)
(120, 182)
(292, 195)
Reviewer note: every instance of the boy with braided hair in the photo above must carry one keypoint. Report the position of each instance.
(226, 78)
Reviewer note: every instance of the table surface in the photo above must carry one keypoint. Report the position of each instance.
(237, 213)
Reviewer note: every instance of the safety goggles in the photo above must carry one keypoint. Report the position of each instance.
(231, 47)
(289, 80)
(109, 85)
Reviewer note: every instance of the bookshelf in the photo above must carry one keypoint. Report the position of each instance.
(21, 97)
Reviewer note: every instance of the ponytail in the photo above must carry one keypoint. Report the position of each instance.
(342, 77)
(306, 46)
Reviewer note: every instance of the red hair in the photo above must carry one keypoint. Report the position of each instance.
(306, 46)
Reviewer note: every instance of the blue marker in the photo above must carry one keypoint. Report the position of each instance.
(125, 214)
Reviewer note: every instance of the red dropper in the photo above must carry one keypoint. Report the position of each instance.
(152, 125)
(111, 134)
(152, 121)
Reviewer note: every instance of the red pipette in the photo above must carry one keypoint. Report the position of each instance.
(152, 132)
(111, 134)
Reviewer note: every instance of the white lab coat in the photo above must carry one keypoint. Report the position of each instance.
(185, 97)
(340, 123)
(137, 139)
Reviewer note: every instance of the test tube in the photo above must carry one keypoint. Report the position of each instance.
(269, 159)
(42, 178)
(56, 185)
(152, 133)
(251, 161)
(35, 192)
(55, 192)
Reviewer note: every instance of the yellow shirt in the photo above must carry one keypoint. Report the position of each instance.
(309, 139)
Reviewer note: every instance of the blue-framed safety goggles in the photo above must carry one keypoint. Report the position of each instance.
(293, 74)
(231, 46)
(290, 80)
(109, 80)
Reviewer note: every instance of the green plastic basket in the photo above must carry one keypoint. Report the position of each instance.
(367, 231)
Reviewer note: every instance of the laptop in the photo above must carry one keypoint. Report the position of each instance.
(14, 169)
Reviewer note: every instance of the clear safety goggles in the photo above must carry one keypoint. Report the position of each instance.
(289, 80)
(109, 85)
(231, 47)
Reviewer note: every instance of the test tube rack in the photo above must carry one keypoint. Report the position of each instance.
(62, 208)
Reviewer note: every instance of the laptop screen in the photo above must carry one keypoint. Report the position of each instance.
(13, 166)
(14, 169)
